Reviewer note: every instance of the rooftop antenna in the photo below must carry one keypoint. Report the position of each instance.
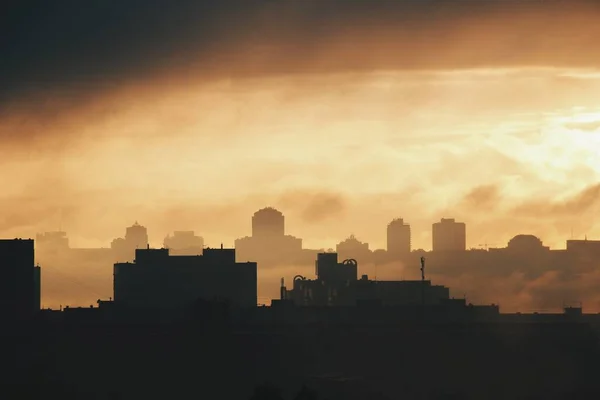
(423, 281)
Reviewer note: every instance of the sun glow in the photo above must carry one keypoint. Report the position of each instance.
(413, 143)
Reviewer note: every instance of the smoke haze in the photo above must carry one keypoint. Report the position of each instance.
(342, 114)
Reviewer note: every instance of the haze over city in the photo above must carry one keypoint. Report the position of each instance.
(300, 199)
(335, 113)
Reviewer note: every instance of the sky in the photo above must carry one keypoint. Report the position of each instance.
(341, 114)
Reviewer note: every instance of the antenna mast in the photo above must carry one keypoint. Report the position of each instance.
(423, 281)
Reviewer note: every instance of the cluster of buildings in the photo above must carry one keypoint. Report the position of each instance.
(268, 243)
(50, 245)
(160, 282)
(184, 271)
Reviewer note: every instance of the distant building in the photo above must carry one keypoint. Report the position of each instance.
(52, 243)
(136, 237)
(184, 243)
(19, 279)
(526, 244)
(449, 235)
(158, 280)
(584, 246)
(398, 237)
(354, 248)
(268, 222)
(269, 243)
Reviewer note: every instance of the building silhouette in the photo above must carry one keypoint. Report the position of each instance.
(449, 235)
(20, 280)
(136, 237)
(184, 243)
(158, 280)
(526, 244)
(524, 254)
(337, 284)
(591, 247)
(398, 237)
(37, 288)
(267, 223)
(584, 253)
(52, 243)
(352, 248)
(268, 244)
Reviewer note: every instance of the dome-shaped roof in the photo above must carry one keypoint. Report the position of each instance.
(525, 241)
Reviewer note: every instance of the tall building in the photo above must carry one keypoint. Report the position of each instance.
(157, 280)
(268, 244)
(19, 288)
(398, 237)
(136, 236)
(449, 235)
(268, 222)
(37, 288)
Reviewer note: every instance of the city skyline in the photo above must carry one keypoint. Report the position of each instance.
(470, 244)
(300, 199)
(423, 125)
(512, 272)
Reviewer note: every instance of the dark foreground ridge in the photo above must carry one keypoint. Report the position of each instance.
(215, 357)
(187, 327)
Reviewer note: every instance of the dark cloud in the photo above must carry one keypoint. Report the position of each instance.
(485, 196)
(314, 206)
(92, 45)
(586, 201)
(323, 206)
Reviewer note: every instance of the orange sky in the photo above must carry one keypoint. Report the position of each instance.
(343, 115)
(511, 150)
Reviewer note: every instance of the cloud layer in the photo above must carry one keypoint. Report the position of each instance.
(77, 48)
(343, 114)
